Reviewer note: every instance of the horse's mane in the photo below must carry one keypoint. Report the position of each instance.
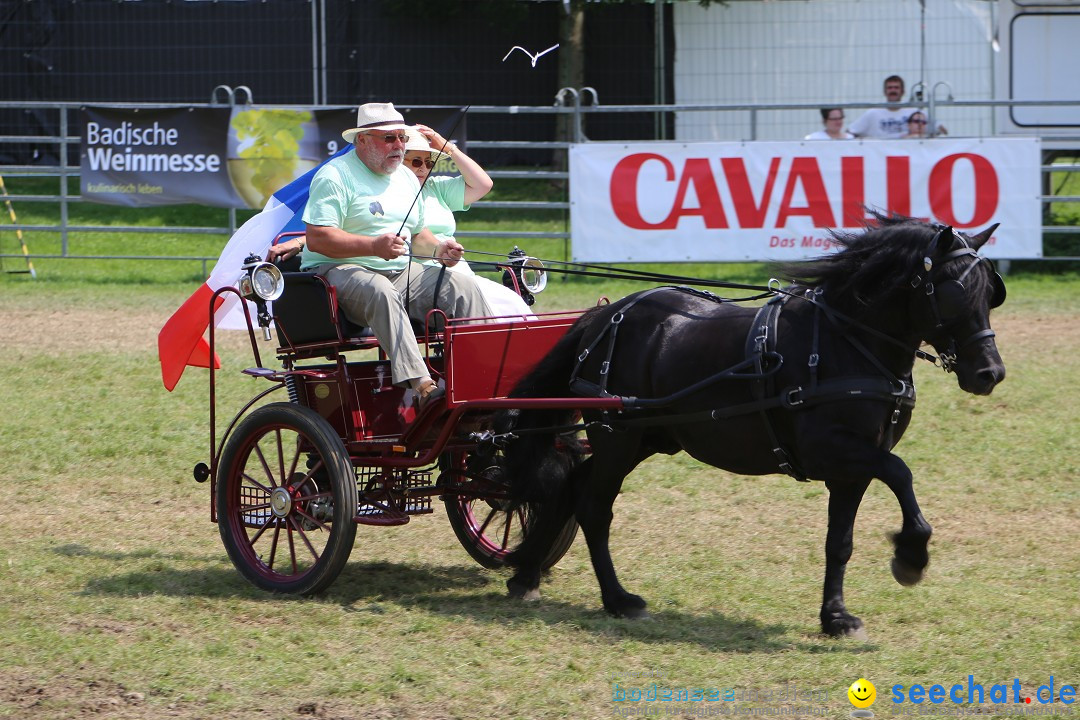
(871, 264)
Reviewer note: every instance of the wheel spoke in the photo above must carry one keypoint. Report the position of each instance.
(292, 548)
(266, 467)
(280, 455)
(322, 525)
(306, 498)
(487, 520)
(273, 545)
(303, 536)
(310, 473)
(295, 458)
(256, 483)
(506, 533)
(255, 539)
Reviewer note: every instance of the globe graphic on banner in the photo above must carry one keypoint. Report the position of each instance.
(268, 149)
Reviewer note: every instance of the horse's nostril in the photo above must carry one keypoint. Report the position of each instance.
(992, 376)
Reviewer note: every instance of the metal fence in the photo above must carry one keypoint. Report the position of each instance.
(581, 106)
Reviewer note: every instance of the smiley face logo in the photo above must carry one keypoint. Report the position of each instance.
(862, 693)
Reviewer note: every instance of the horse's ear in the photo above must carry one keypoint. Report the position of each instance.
(977, 241)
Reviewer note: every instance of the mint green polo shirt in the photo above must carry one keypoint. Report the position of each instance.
(443, 196)
(345, 194)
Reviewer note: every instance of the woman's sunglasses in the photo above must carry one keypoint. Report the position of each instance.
(417, 162)
(917, 121)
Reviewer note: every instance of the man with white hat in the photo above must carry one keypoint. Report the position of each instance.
(357, 203)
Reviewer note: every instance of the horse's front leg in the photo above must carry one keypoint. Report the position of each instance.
(844, 499)
(614, 458)
(910, 556)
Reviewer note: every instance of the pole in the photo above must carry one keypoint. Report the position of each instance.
(18, 232)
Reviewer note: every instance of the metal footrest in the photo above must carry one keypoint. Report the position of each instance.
(385, 497)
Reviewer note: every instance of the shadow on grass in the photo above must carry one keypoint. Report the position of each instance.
(470, 593)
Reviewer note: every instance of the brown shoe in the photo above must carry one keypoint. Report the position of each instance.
(429, 393)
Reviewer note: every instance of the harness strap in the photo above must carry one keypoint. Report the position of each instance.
(790, 398)
(760, 340)
(611, 331)
(814, 359)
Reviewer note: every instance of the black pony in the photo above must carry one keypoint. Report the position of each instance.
(816, 384)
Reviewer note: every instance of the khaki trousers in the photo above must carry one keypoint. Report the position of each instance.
(377, 300)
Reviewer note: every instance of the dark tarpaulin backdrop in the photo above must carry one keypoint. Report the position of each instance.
(406, 51)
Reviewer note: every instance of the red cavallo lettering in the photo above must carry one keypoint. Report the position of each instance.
(805, 170)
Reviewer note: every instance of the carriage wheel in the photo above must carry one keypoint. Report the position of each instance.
(286, 499)
(487, 527)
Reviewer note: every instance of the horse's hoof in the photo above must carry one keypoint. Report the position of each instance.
(631, 607)
(905, 574)
(517, 591)
(636, 614)
(844, 626)
(858, 633)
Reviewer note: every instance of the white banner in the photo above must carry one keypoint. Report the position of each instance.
(675, 202)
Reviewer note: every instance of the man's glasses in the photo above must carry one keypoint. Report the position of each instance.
(417, 162)
(839, 117)
(388, 139)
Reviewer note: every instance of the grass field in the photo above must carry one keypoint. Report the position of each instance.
(117, 599)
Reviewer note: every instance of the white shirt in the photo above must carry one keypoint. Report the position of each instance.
(882, 123)
(822, 135)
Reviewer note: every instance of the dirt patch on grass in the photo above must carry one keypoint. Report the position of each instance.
(65, 696)
(29, 698)
(49, 330)
(128, 329)
(1048, 332)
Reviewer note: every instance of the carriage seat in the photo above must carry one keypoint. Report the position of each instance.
(305, 312)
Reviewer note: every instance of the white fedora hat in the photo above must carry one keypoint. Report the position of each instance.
(375, 116)
(419, 143)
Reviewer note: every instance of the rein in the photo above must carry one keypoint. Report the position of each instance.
(762, 361)
(408, 267)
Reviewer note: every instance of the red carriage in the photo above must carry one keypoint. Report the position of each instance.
(291, 479)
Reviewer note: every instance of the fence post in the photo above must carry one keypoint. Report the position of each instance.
(63, 181)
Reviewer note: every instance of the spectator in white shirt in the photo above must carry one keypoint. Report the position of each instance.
(833, 120)
(890, 122)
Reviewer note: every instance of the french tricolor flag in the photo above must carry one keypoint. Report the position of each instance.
(182, 340)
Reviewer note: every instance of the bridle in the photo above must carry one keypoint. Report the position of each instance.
(947, 297)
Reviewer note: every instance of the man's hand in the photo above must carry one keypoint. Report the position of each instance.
(283, 250)
(449, 252)
(389, 246)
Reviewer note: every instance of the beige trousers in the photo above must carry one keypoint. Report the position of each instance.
(377, 300)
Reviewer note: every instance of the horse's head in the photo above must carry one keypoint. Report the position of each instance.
(955, 289)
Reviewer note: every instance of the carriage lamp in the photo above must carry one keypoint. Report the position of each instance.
(529, 276)
(261, 281)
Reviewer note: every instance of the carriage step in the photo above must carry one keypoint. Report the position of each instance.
(382, 519)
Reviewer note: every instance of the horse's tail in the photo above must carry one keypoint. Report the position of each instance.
(538, 463)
